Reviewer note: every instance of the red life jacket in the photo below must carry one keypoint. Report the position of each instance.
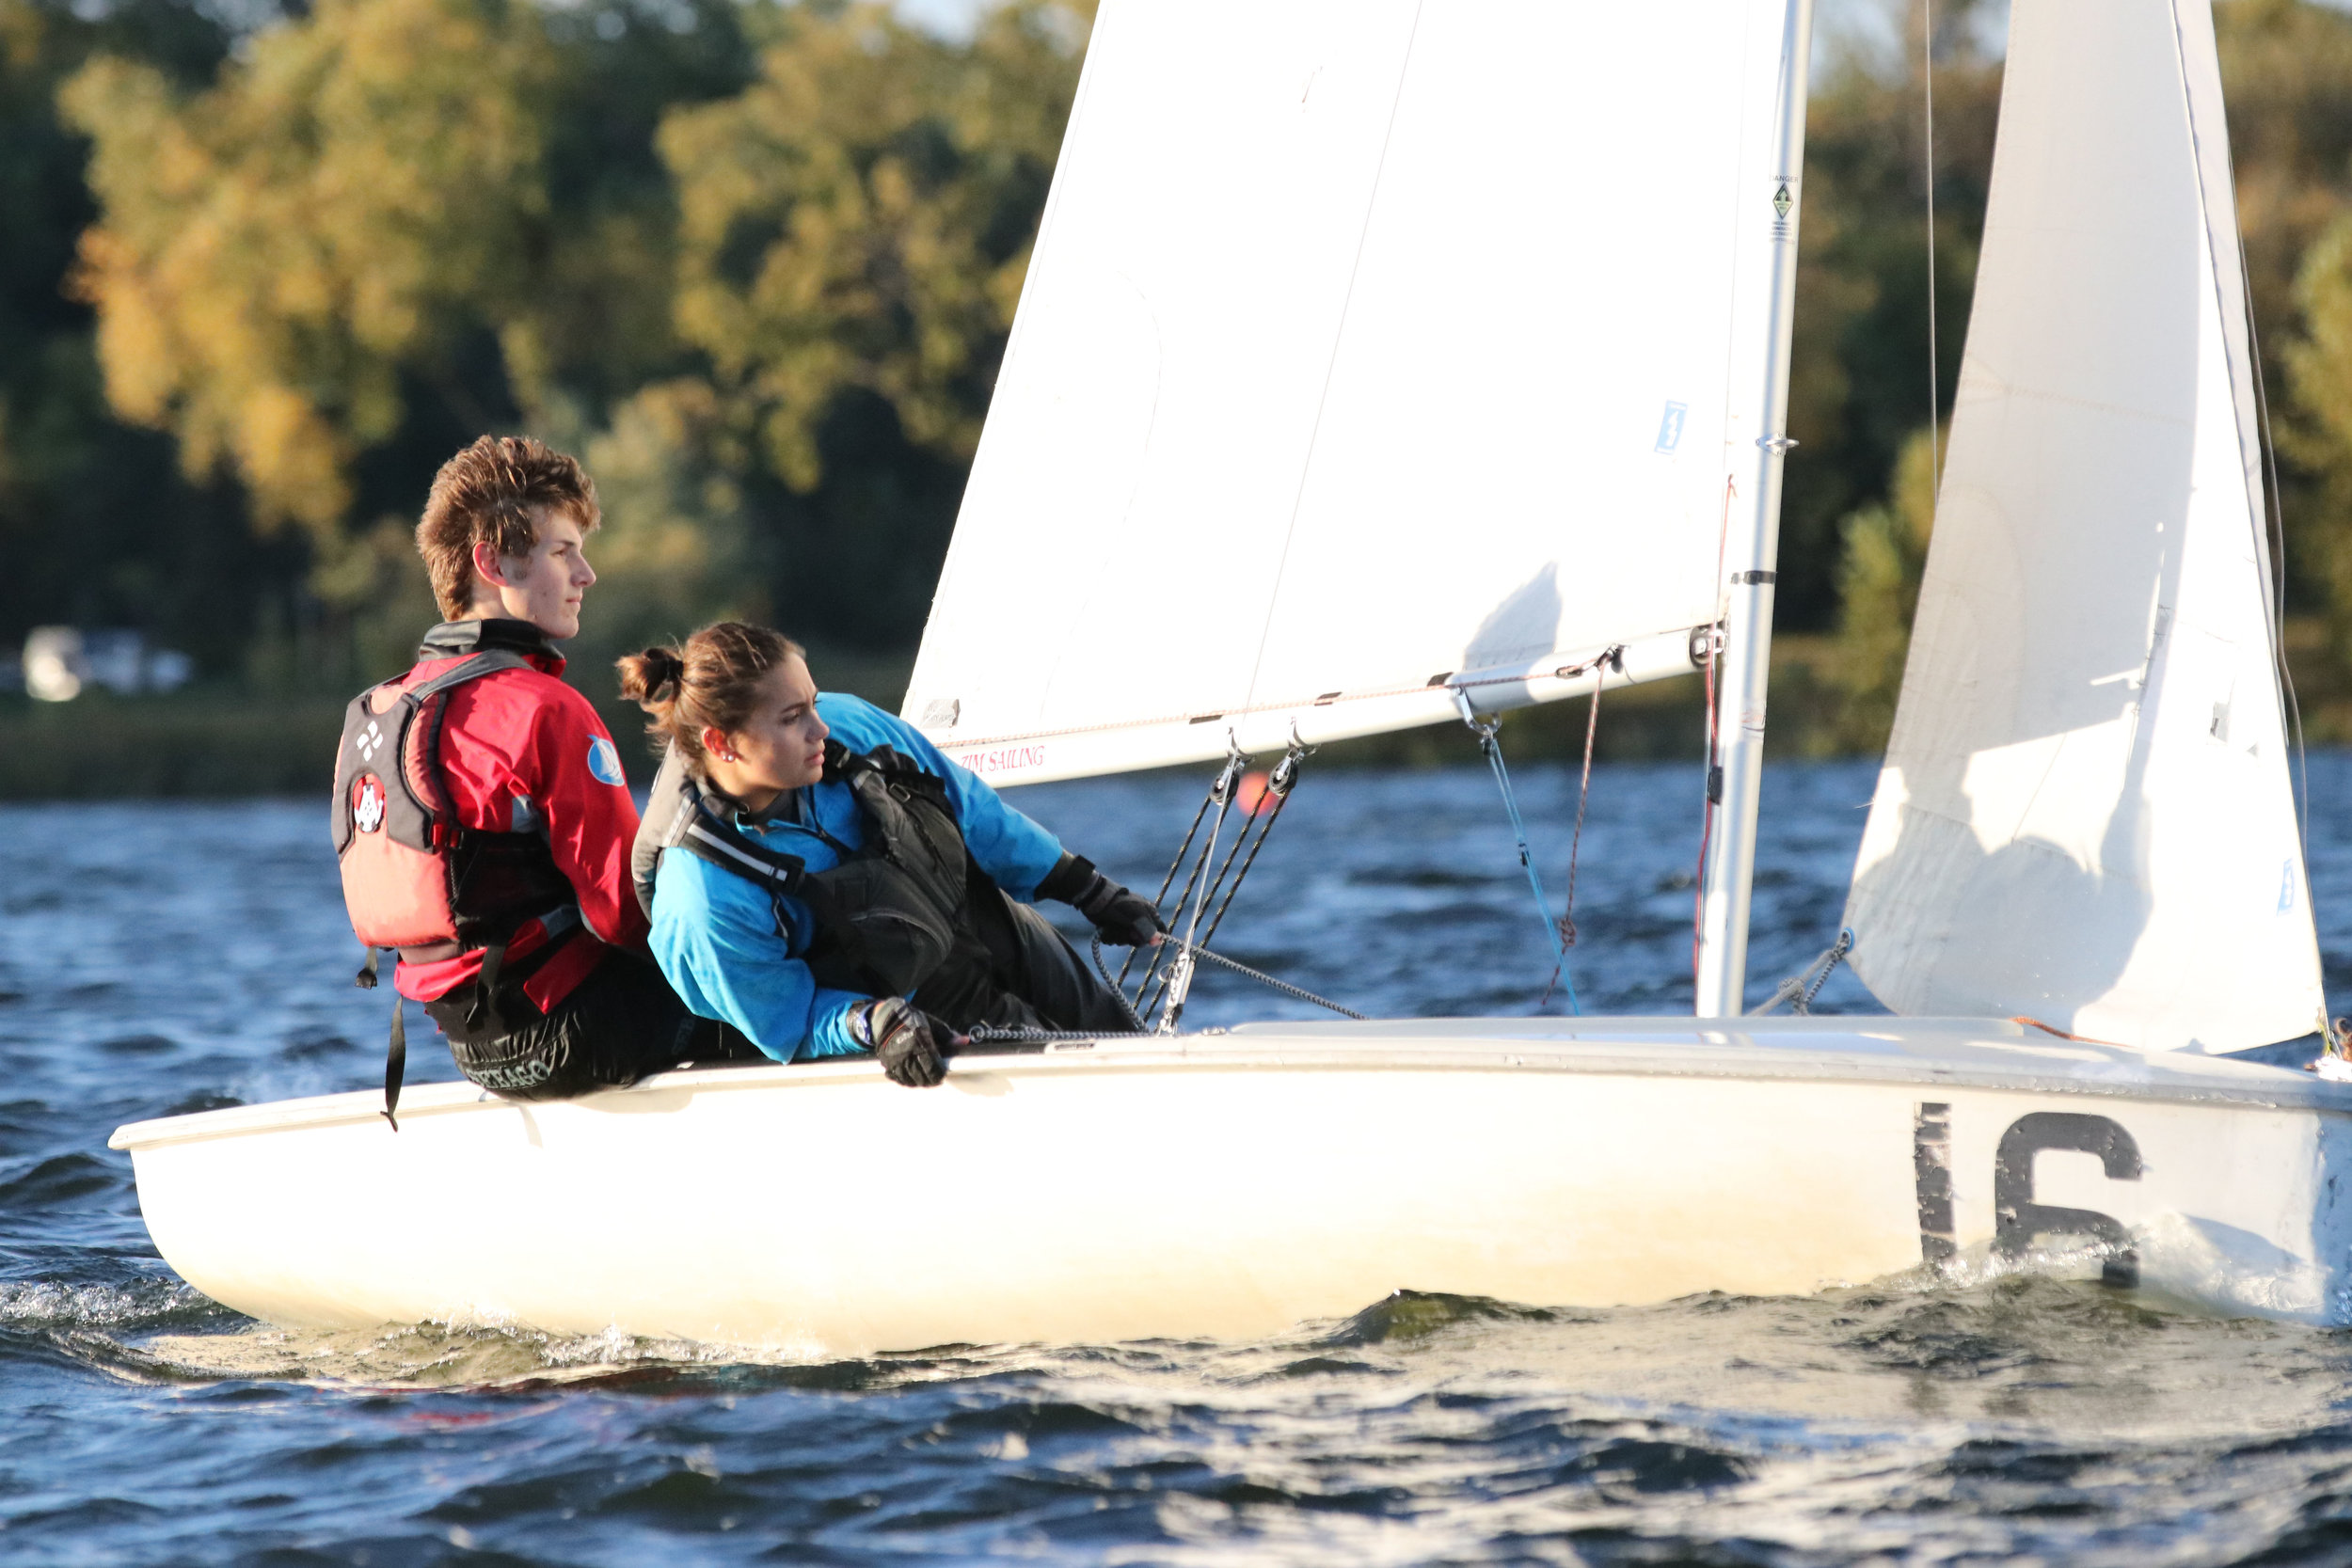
(413, 878)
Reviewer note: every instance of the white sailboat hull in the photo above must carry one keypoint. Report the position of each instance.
(1232, 1185)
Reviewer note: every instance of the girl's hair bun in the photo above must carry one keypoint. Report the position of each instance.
(651, 679)
(710, 681)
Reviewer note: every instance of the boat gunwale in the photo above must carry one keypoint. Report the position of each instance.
(1768, 1048)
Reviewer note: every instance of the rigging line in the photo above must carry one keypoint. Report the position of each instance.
(1584, 795)
(1160, 953)
(1339, 335)
(1195, 893)
(1936, 370)
(987, 1033)
(2274, 505)
(1284, 986)
(1485, 730)
(2274, 501)
(1714, 741)
(1181, 851)
(1104, 971)
(1240, 841)
(1278, 785)
(1265, 826)
(1176, 988)
(1799, 989)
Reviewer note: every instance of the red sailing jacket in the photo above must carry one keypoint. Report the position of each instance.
(523, 752)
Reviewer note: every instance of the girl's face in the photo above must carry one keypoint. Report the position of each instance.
(781, 745)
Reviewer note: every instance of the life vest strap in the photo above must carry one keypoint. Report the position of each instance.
(395, 1061)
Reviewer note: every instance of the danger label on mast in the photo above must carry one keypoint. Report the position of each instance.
(1784, 203)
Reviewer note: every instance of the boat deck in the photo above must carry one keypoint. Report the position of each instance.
(1961, 1052)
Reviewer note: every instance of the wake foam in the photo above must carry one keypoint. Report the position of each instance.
(46, 1304)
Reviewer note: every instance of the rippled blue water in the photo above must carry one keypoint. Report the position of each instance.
(171, 956)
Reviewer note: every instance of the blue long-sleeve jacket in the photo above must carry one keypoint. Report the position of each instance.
(715, 935)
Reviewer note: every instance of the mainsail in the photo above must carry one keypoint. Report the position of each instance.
(1372, 352)
(2086, 813)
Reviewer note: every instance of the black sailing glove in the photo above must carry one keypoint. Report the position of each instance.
(904, 1038)
(1123, 918)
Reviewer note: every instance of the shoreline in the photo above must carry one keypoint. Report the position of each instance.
(223, 743)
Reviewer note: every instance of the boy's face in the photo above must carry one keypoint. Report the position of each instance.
(544, 587)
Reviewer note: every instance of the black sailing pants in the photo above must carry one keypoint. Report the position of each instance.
(1034, 978)
(621, 1023)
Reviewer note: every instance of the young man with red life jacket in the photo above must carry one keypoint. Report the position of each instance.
(481, 817)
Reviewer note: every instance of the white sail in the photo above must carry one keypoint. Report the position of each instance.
(2085, 814)
(1372, 350)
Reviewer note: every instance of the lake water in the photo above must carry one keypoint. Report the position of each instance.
(170, 956)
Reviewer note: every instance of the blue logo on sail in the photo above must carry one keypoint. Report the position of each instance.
(1670, 427)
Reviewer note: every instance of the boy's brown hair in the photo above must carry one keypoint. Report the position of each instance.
(492, 492)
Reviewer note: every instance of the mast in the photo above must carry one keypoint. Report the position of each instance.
(1751, 552)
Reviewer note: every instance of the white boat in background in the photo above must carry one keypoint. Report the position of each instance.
(1392, 359)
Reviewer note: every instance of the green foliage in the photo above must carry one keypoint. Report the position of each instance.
(1858, 380)
(2318, 435)
(347, 203)
(2293, 132)
(1877, 586)
(765, 295)
(853, 232)
(677, 548)
(861, 218)
(756, 261)
(386, 204)
(1859, 395)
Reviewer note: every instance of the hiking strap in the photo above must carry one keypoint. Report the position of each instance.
(395, 1062)
(484, 1005)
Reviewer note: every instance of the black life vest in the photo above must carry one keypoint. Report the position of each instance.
(909, 914)
(413, 878)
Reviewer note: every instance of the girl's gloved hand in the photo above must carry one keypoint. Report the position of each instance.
(1125, 919)
(911, 1045)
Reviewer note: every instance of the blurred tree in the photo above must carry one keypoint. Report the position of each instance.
(1877, 589)
(95, 523)
(2288, 66)
(1859, 375)
(1859, 395)
(854, 229)
(2317, 432)
(388, 226)
(393, 224)
(356, 200)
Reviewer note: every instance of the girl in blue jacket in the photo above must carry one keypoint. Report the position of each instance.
(824, 880)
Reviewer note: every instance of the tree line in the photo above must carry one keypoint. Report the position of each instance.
(756, 263)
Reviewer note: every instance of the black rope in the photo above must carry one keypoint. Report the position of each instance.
(1104, 969)
(1159, 900)
(1010, 1041)
(1284, 986)
(1181, 851)
(989, 1033)
(1278, 785)
(1799, 989)
(1222, 793)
